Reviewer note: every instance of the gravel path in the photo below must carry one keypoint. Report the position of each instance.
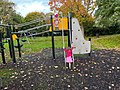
(39, 71)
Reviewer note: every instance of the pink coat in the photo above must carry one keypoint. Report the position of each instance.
(68, 52)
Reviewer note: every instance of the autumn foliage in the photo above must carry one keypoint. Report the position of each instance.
(82, 9)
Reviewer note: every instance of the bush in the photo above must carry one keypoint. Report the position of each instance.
(92, 31)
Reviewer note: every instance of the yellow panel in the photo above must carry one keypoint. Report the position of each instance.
(14, 36)
(63, 24)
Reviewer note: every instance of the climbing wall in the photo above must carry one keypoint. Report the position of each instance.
(81, 45)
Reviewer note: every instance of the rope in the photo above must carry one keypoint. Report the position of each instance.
(63, 35)
(63, 39)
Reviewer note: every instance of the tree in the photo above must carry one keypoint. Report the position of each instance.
(48, 16)
(88, 4)
(6, 9)
(82, 9)
(17, 18)
(34, 16)
(108, 13)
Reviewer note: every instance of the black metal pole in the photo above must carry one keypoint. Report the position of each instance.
(2, 49)
(69, 29)
(12, 46)
(68, 33)
(19, 47)
(53, 45)
(8, 37)
(90, 50)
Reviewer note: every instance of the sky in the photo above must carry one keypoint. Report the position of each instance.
(23, 7)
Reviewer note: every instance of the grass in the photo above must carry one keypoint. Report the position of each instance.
(106, 42)
(4, 72)
(39, 43)
(5, 75)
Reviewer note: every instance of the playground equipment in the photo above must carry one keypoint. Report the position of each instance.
(2, 49)
(81, 45)
(10, 37)
(18, 46)
(71, 25)
(14, 37)
(10, 42)
(64, 26)
(60, 24)
(75, 37)
(31, 29)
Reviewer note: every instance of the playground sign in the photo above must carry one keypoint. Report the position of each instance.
(62, 23)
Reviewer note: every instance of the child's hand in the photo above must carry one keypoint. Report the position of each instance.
(64, 48)
(73, 47)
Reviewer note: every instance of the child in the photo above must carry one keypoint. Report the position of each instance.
(69, 55)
